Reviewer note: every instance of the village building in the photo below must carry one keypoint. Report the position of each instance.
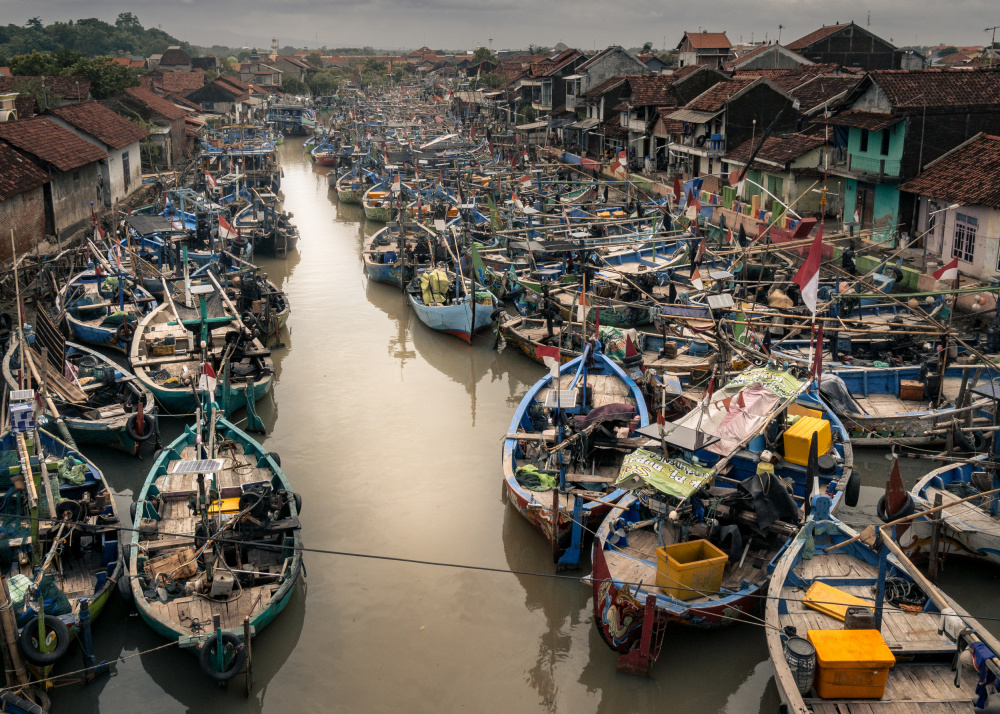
(167, 132)
(22, 202)
(221, 97)
(72, 165)
(652, 62)
(958, 206)
(49, 91)
(121, 171)
(851, 45)
(174, 59)
(711, 48)
(613, 61)
(772, 56)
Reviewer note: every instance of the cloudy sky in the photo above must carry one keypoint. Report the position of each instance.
(585, 24)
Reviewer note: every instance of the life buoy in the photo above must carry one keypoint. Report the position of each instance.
(28, 641)
(907, 509)
(147, 430)
(962, 442)
(207, 657)
(852, 492)
(123, 333)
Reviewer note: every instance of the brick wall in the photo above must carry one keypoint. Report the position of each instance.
(25, 214)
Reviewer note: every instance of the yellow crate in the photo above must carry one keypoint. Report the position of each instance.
(228, 505)
(798, 436)
(851, 664)
(686, 570)
(831, 601)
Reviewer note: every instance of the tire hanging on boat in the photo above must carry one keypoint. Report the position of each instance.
(207, 655)
(28, 641)
(852, 492)
(907, 509)
(147, 431)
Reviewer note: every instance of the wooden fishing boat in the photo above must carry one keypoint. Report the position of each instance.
(708, 510)
(263, 306)
(349, 188)
(384, 263)
(103, 309)
(165, 353)
(61, 536)
(909, 655)
(216, 534)
(99, 406)
(432, 297)
(561, 492)
(378, 204)
(970, 529)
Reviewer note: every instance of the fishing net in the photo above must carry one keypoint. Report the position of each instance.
(54, 599)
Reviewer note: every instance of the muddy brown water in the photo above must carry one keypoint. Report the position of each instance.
(392, 434)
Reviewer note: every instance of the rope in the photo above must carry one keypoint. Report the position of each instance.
(87, 669)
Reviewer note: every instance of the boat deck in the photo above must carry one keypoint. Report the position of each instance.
(602, 389)
(963, 517)
(911, 687)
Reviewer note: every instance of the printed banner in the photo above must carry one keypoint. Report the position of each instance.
(671, 476)
(781, 383)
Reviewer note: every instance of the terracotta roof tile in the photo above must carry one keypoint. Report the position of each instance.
(939, 87)
(68, 88)
(715, 98)
(49, 142)
(180, 81)
(101, 123)
(824, 88)
(708, 40)
(777, 150)
(825, 31)
(595, 93)
(175, 57)
(863, 120)
(970, 174)
(157, 104)
(19, 173)
(652, 89)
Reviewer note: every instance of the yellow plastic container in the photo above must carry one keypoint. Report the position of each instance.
(798, 436)
(228, 505)
(686, 570)
(831, 601)
(851, 664)
(376, 194)
(604, 214)
(619, 214)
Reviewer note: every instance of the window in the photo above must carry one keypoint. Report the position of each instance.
(864, 140)
(126, 172)
(76, 175)
(963, 246)
(885, 142)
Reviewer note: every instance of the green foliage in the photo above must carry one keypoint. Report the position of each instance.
(373, 79)
(948, 51)
(373, 66)
(90, 36)
(44, 64)
(647, 47)
(107, 77)
(315, 58)
(491, 80)
(528, 114)
(324, 82)
(294, 86)
(669, 59)
(481, 54)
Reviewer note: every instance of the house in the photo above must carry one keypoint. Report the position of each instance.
(652, 62)
(294, 67)
(726, 115)
(22, 201)
(851, 45)
(180, 82)
(766, 57)
(613, 61)
(784, 173)
(72, 165)
(121, 171)
(895, 121)
(205, 64)
(958, 206)
(134, 62)
(592, 108)
(260, 73)
(334, 61)
(711, 48)
(220, 97)
(174, 59)
(817, 94)
(49, 91)
(544, 86)
(168, 118)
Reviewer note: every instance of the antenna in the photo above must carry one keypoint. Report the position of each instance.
(869, 20)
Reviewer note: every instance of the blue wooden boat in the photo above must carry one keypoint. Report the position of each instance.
(589, 385)
(382, 259)
(99, 406)
(173, 343)
(103, 309)
(291, 119)
(461, 316)
(243, 511)
(916, 640)
(69, 548)
(706, 488)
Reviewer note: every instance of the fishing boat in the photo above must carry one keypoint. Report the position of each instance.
(713, 497)
(102, 309)
(561, 491)
(349, 188)
(173, 342)
(433, 296)
(384, 263)
(852, 625)
(378, 204)
(216, 535)
(99, 402)
(61, 526)
(325, 154)
(263, 306)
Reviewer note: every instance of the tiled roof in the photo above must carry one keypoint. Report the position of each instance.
(682, 72)
(651, 90)
(242, 87)
(19, 173)
(939, 87)
(101, 123)
(65, 87)
(180, 81)
(26, 107)
(183, 101)
(175, 56)
(611, 129)
(715, 98)
(800, 75)
(708, 40)
(824, 88)
(49, 142)
(595, 93)
(552, 65)
(158, 105)
(863, 120)
(590, 61)
(777, 150)
(825, 31)
(969, 174)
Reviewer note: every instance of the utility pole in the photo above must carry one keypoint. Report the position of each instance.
(992, 43)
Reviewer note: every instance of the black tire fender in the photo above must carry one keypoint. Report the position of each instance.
(29, 643)
(207, 654)
(852, 492)
(907, 509)
(124, 586)
(148, 425)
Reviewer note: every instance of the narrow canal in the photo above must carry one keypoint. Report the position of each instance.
(392, 434)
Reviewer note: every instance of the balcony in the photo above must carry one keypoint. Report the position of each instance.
(713, 147)
(867, 167)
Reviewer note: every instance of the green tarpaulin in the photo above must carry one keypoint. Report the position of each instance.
(671, 476)
(781, 383)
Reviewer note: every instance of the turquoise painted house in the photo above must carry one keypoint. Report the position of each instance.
(893, 123)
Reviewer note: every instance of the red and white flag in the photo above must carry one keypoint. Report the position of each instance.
(808, 276)
(582, 307)
(696, 280)
(700, 254)
(677, 190)
(550, 356)
(707, 399)
(517, 201)
(226, 230)
(209, 180)
(729, 237)
(524, 181)
(396, 184)
(947, 272)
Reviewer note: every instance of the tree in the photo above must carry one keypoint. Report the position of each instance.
(948, 51)
(294, 86)
(107, 77)
(491, 80)
(127, 21)
(324, 82)
(315, 58)
(647, 47)
(374, 66)
(481, 54)
(34, 23)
